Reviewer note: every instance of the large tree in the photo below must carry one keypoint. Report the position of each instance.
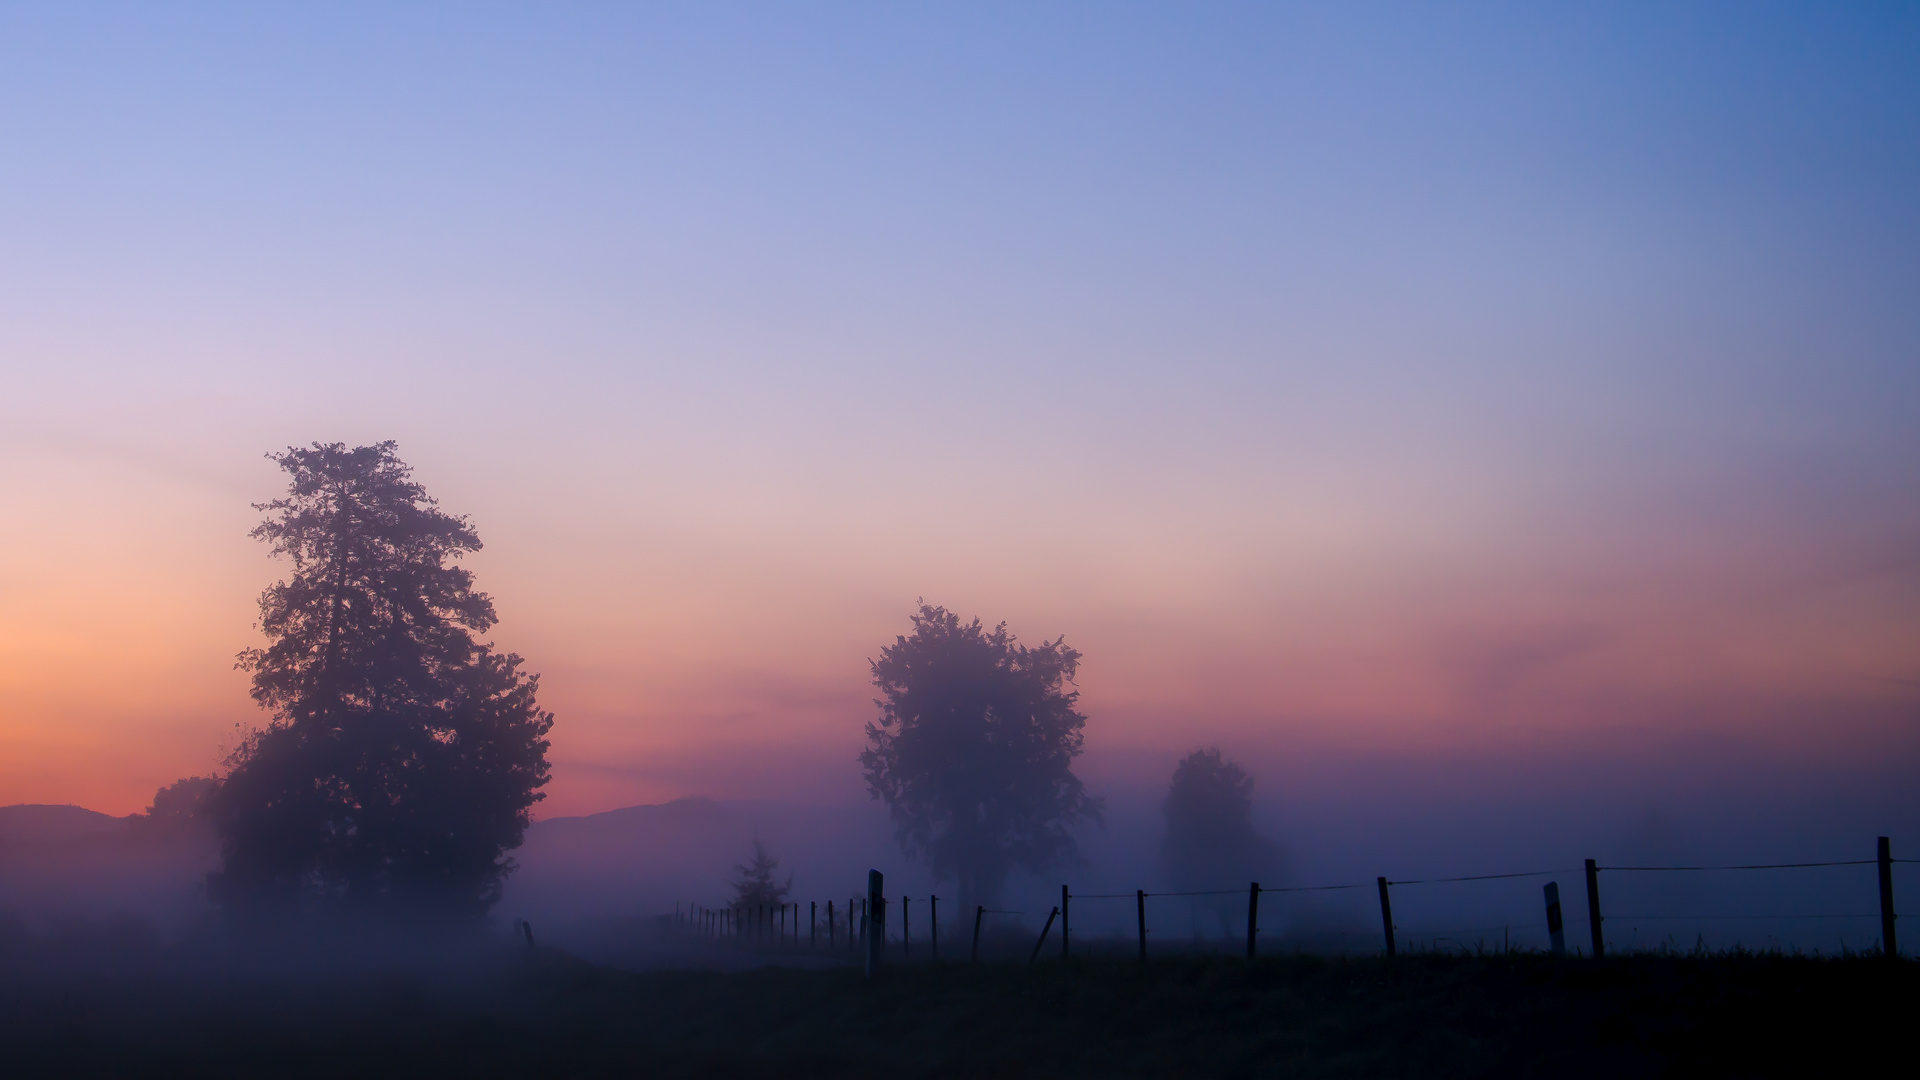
(973, 750)
(402, 755)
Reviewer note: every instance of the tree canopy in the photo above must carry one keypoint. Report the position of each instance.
(180, 804)
(973, 750)
(402, 755)
(1210, 838)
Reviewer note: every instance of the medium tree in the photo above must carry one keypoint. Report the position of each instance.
(1210, 837)
(402, 755)
(973, 751)
(758, 882)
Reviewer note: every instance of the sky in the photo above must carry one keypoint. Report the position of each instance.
(1422, 403)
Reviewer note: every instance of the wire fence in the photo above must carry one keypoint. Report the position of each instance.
(862, 924)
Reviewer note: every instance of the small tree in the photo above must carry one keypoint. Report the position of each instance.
(1210, 837)
(973, 751)
(402, 755)
(757, 884)
(181, 804)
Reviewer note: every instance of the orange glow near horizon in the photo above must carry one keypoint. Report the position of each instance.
(740, 669)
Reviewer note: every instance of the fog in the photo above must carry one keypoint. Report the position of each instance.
(605, 886)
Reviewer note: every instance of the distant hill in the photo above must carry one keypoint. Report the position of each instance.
(68, 862)
(42, 823)
(643, 860)
(631, 863)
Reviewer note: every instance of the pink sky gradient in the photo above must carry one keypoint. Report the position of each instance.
(1453, 383)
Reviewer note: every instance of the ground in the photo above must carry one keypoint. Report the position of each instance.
(549, 1015)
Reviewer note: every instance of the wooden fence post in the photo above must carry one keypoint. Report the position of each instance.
(1556, 930)
(1035, 954)
(832, 940)
(1593, 909)
(1386, 914)
(933, 920)
(527, 929)
(1064, 944)
(906, 928)
(1888, 945)
(1253, 916)
(977, 913)
(876, 920)
(1140, 905)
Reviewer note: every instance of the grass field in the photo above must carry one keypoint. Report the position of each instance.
(549, 1015)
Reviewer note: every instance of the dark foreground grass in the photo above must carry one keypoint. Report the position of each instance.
(1727, 1015)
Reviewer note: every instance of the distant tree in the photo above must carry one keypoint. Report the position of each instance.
(757, 883)
(973, 751)
(402, 755)
(181, 804)
(1210, 838)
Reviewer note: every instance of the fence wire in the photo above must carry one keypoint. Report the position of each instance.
(1704, 917)
(1755, 866)
(726, 923)
(1470, 877)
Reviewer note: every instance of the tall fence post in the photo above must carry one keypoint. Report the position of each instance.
(1065, 954)
(1253, 916)
(876, 920)
(1593, 909)
(1035, 954)
(978, 911)
(906, 928)
(1556, 929)
(1887, 943)
(933, 921)
(1140, 907)
(1386, 914)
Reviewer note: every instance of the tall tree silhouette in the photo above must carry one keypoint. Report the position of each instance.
(402, 755)
(973, 750)
(1210, 837)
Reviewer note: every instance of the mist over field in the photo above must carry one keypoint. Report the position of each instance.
(596, 884)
